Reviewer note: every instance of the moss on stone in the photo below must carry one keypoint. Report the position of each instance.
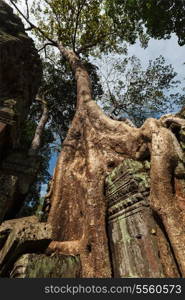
(137, 170)
(131, 166)
(42, 266)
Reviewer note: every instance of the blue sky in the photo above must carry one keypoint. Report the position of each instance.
(52, 164)
(173, 53)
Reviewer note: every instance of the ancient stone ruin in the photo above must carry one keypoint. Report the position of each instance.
(20, 75)
(138, 243)
(139, 247)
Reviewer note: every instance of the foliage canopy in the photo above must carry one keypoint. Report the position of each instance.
(149, 18)
(80, 25)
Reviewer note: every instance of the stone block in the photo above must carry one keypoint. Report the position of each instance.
(131, 227)
(26, 235)
(42, 266)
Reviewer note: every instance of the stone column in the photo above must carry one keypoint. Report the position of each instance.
(134, 234)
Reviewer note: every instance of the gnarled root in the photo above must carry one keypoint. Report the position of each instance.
(67, 247)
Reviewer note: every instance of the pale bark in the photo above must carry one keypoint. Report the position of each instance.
(95, 144)
(36, 142)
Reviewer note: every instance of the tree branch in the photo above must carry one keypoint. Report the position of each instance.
(36, 142)
(90, 45)
(83, 48)
(168, 120)
(41, 100)
(45, 45)
(33, 26)
(77, 20)
(27, 9)
(29, 28)
(54, 11)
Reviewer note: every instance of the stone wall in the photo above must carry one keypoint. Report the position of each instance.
(20, 70)
(20, 76)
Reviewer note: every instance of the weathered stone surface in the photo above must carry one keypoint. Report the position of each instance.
(20, 76)
(24, 236)
(7, 112)
(19, 163)
(8, 187)
(20, 71)
(20, 67)
(133, 232)
(127, 185)
(22, 245)
(42, 266)
(18, 170)
(7, 226)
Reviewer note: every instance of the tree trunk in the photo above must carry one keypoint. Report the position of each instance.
(36, 142)
(96, 144)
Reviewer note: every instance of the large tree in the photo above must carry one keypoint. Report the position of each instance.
(95, 144)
